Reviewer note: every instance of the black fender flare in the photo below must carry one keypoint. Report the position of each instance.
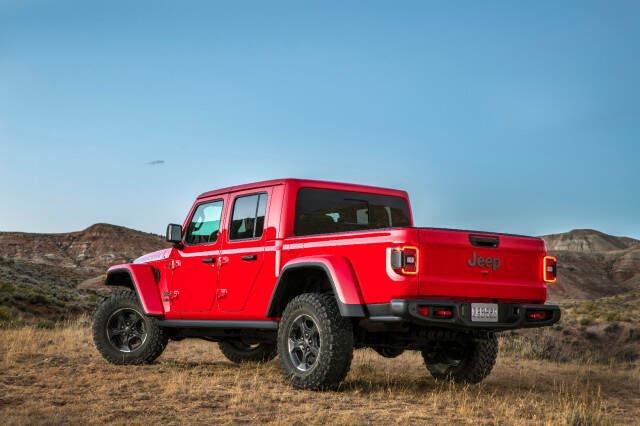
(345, 290)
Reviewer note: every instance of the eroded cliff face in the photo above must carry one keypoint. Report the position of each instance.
(592, 264)
(52, 277)
(89, 251)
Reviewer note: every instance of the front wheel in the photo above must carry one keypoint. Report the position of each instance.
(465, 360)
(315, 343)
(123, 334)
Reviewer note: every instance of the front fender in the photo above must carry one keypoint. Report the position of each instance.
(341, 276)
(143, 280)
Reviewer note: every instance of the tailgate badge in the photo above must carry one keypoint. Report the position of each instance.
(484, 262)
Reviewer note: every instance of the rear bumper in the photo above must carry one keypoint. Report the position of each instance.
(510, 315)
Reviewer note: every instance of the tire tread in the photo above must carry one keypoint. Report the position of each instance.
(339, 350)
(476, 368)
(157, 338)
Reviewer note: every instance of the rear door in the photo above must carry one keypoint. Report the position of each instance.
(243, 251)
(480, 265)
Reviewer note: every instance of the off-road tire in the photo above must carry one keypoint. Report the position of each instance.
(239, 352)
(335, 348)
(474, 367)
(152, 347)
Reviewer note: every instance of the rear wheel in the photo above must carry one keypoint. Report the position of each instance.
(465, 360)
(123, 334)
(239, 352)
(315, 342)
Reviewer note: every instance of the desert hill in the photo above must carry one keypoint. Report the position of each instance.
(588, 241)
(593, 264)
(45, 276)
(88, 251)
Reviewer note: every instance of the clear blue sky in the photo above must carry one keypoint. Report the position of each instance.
(511, 116)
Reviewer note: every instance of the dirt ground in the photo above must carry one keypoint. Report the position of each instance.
(56, 376)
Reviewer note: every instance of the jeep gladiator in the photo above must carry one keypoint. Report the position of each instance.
(311, 270)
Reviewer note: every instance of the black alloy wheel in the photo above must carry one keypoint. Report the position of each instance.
(125, 330)
(303, 343)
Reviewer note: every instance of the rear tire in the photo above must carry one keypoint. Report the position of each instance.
(315, 343)
(240, 352)
(123, 334)
(463, 361)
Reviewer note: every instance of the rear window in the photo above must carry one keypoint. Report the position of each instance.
(325, 211)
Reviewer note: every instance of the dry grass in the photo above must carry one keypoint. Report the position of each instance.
(56, 376)
(623, 307)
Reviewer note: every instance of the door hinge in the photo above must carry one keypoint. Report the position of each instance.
(174, 263)
(170, 295)
(221, 293)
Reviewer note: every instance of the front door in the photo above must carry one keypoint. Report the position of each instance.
(195, 268)
(243, 250)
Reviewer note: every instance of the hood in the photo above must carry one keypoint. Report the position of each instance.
(153, 256)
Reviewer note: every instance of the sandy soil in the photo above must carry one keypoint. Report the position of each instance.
(56, 376)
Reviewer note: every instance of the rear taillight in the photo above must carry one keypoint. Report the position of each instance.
(404, 260)
(549, 269)
(443, 313)
(538, 315)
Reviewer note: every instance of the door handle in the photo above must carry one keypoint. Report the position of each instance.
(209, 260)
(249, 257)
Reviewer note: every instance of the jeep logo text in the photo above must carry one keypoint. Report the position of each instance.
(484, 262)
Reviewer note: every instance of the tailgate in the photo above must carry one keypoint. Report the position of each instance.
(479, 265)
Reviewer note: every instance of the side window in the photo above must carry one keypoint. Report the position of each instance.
(205, 224)
(247, 219)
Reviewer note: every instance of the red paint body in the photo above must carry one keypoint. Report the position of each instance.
(358, 262)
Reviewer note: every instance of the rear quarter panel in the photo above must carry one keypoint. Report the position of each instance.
(366, 252)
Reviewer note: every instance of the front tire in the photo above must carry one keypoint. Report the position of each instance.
(240, 352)
(123, 334)
(315, 343)
(462, 361)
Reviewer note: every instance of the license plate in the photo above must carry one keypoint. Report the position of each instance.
(484, 312)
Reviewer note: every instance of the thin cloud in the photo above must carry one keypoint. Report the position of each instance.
(155, 162)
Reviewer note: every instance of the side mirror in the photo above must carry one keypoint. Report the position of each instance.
(174, 233)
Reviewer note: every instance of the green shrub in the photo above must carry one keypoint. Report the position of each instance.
(46, 324)
(5, 314)
(586, 321)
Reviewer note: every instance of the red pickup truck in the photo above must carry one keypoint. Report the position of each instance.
(310, 270)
